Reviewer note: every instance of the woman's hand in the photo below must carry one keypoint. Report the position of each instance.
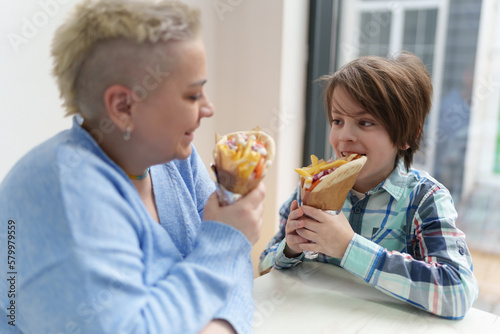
(330, 234)
(293, 240)
(218, 326)
(244, 215)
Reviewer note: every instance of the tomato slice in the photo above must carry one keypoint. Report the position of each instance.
(314, 184)
(259, 168)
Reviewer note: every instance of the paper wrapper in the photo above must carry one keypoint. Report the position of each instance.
(331, 193)
(231, 186)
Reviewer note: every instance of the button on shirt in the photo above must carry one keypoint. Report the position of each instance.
(406, 244)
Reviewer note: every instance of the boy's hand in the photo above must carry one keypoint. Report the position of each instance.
(293, 240)
(330, 234)
(244, 215)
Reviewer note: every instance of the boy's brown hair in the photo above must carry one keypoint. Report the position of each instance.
(396, 91)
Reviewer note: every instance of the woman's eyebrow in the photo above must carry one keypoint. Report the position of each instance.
(200, 82)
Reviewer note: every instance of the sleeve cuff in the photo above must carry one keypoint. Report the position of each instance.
(239, 308)
(285, 262)
(232, 247)
(361, 257)
(226, 235)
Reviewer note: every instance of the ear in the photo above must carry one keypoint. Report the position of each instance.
(118, 101)
(407, 146)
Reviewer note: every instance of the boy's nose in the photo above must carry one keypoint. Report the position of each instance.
(347, 134)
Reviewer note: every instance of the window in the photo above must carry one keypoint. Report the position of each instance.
(443, 33)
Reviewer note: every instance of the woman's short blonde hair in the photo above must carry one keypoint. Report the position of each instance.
(108, 42)
(396, 91)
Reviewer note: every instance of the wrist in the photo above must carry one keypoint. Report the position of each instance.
(347, 242)
(290, 253)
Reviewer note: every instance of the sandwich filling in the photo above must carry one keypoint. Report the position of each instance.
(313, 174)
(247, 152)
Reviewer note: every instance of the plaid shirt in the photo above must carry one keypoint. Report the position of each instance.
(406, 244)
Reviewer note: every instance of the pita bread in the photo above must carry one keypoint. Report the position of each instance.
(331, 192)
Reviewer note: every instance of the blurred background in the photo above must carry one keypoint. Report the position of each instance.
(263, 57)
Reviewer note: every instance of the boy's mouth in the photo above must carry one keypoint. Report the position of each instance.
(346, 153)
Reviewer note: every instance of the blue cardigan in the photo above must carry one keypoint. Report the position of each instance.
(89, 257)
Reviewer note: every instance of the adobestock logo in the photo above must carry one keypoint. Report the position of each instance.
(31, 25)
(281, 118)
(223, 6)
(150, 82)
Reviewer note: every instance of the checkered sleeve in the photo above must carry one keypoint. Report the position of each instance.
(273, 256)
(437, 277)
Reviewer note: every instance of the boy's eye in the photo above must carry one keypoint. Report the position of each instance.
(336, 122)
(366, 123)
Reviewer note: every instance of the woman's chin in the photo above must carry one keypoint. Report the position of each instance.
(184, 153)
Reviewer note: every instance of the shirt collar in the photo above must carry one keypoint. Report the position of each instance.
(82, 134)
(88, 142)
(395, 184)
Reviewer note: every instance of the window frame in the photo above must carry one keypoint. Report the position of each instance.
(322, 44)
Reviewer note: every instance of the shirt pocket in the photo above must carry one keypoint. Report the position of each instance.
(390, 239)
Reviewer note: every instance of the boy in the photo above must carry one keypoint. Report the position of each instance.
(397, 227)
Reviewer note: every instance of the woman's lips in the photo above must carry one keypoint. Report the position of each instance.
(190, 134)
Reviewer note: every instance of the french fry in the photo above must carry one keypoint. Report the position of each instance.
(248, 148)
(334, 164)
(318, 167)
(239, 152)
(314, 160)
(302, 172)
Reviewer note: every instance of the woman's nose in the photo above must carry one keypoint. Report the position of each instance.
(207, 110)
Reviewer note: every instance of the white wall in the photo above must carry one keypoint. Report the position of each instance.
(256, 62)
(260, 72)
(31, 110)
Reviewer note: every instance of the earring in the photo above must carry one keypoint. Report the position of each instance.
(126, 135)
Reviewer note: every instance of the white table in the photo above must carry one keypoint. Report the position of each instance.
(322, 298)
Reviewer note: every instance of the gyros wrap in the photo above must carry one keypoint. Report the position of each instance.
(325, 185)
(241, 160)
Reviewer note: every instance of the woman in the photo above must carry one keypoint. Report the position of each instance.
(118, 229)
